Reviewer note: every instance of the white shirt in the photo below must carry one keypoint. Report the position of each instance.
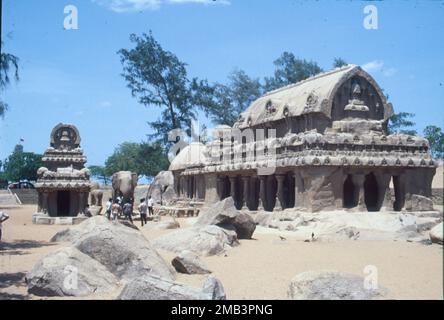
(3, 216)
(150, 202)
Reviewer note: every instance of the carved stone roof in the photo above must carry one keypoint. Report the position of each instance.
(314, 94)
(190, 156)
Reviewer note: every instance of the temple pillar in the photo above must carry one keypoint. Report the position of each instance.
(358, 181)
(385, 201)
(44, 199)
(262, 192)
(246, 191)
(280, 203)
(82, 203)
(233, 187)
(252, 193)
(298, 190)
(212, 186)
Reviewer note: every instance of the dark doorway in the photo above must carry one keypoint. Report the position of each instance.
(399, 194)
(63, 203)
(371, 192)
(349, 194)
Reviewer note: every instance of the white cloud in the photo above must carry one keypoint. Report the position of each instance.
(379, 66)
(389, 72)
(375, 65)
(120, 6)
(105, 104)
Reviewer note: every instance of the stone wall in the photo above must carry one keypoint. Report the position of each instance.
(26, 196)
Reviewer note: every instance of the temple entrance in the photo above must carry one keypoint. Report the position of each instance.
(371, 192)
(63, 203)
(349, 199)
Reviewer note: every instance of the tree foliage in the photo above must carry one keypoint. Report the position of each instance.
(435, 135)
(290, 69)
(400, 123)
(100, 173)
(158, 78)
(146, 159)
(223, 103)
(339, 62)
(8, 65)
(21, 165)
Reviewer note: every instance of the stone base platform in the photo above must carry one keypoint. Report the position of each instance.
(39, 218)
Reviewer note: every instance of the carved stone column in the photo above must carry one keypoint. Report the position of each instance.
(262, 192)
(279, 193)
(82, 204)
(246, 192)
(385, 194)
(220, 187)
(45, 196)
(298, 190)
(358, 181)
(233, 188)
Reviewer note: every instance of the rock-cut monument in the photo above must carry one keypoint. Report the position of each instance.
(63, 183)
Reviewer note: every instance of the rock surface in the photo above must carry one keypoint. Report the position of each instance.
(189, 263)
(73, 233)
(155, 288)
(420, 203)
(123, 251)
(207, 240)
(436, 234)
(68, 272)
(162, 188)
(343, 225)
(163, 225)
(224, 214)
(330, 285)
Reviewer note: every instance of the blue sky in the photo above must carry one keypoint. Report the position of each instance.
(73, 76)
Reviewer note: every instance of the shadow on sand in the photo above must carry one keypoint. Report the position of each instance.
(12, 279)
(18, 247)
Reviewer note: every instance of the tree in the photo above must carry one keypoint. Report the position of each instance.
(124, 158)
(100, 173)
(223, 103)
(339, 62)
(157, 77)
(22, 165)
(7, 62)
(146, 159)
(152, 159)
(436, 140)
(290, 69)
(400, 123)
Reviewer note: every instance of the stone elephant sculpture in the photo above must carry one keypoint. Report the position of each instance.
(124, 183)
(96, 194)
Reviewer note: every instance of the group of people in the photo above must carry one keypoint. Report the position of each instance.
(118, 208)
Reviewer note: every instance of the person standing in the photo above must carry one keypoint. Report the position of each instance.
(128, 211)
(116, 209)
(150, 206)
(142, 210)
(3, 218)
(108, 206)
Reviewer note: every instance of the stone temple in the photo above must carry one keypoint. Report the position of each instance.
(63, 183)
(324, 145)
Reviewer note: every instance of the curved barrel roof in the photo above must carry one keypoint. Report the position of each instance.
(314, 94)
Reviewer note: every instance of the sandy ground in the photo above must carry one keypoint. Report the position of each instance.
(257, 269)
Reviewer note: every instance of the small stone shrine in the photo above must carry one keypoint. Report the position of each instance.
(63, 183)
